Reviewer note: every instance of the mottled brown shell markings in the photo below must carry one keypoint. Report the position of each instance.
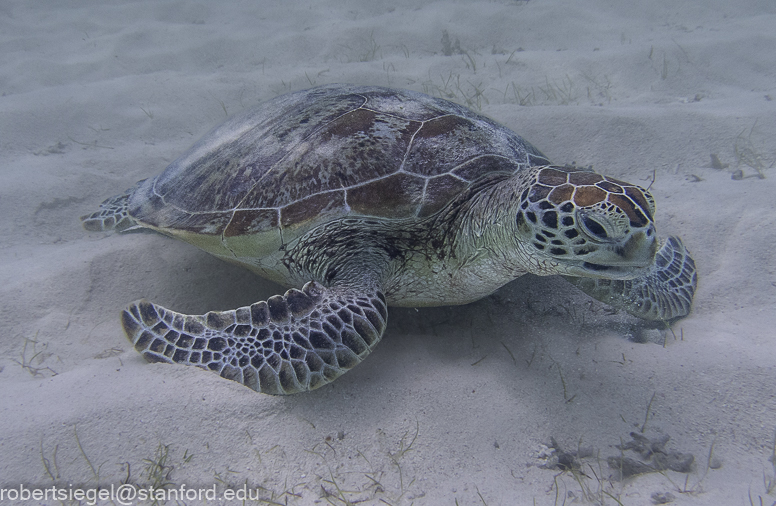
(322, 204)
(399, 194)
(461, 138)
(357, 147)
(444, 125)
(325, 153)
(439, 191)
(211, 175)
(204, 223)
(358, 122)
(486, 164)
(251, 221)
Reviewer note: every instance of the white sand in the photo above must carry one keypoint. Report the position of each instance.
(96, 97)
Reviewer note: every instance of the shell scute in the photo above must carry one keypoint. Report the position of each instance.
(251, 221)
(439, 191)
(319, 205)
(477, 167)
(396, 195)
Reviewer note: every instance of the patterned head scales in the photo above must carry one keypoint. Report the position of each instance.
(602, 223)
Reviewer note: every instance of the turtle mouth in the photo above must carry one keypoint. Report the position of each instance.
(611, 271)
(622, 261)
(597, 267)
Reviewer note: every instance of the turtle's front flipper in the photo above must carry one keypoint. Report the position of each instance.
(112, 215)
(291, 343)
(665, 292)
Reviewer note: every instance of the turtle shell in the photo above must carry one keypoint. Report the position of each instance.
(312, 156)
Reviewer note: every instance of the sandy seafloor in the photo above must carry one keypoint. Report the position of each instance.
(97, 95)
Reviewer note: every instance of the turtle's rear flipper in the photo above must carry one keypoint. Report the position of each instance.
(112, 215)
(665, 292)
(288, 344)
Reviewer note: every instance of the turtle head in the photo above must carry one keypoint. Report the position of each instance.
(580, 223)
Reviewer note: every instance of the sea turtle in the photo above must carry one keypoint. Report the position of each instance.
(359, 198)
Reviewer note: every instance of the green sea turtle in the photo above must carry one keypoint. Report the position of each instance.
(359, 198)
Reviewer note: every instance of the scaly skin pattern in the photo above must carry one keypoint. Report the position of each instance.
(112, 215)
(288, 344)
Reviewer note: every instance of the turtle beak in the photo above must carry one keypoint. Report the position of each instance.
(639, 250)
(625, 260)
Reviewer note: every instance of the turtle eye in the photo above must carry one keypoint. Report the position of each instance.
(595, 229)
